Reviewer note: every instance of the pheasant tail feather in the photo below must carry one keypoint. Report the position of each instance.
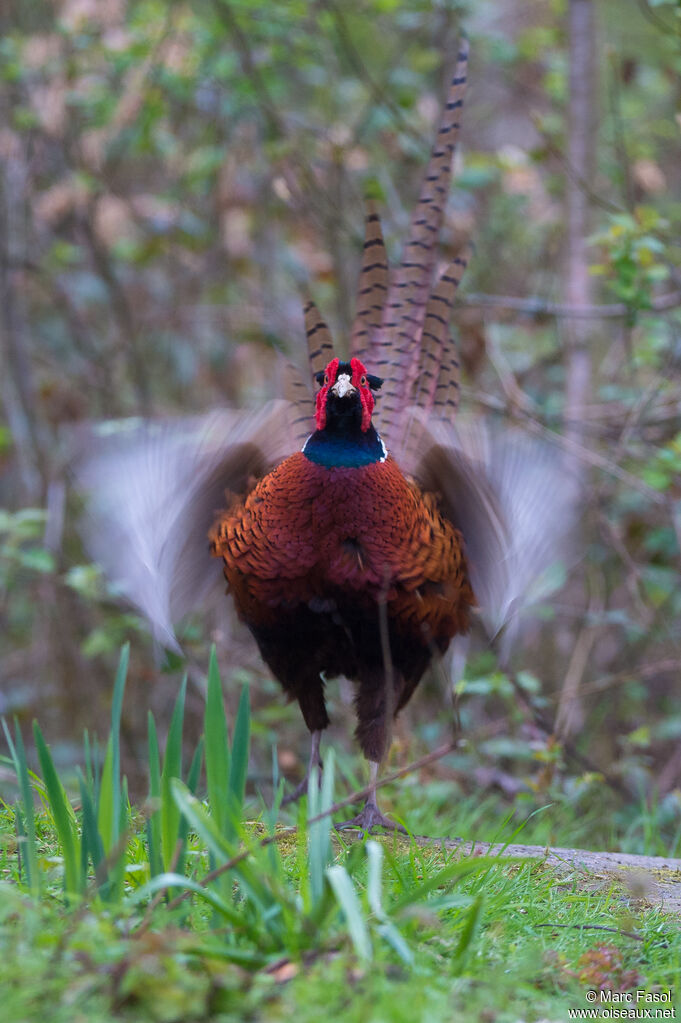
(373, 286)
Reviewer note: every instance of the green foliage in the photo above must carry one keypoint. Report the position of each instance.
(635, 256)
(417, 925)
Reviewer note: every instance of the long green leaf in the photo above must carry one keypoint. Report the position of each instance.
(374, 885)
(385, 927)
(202, 822)
(172, 768)
(92, 846)
(109, 808)
(345, 893)
(470, 927)
(253, 880)
(238, 768)
(107, 799)
(192, 785)
(217, 746)
(18, 754)
(154, 818)
(116, 710)
(64, 818)
(320, 801)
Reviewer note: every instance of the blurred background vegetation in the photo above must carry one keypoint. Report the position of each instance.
(172, 174)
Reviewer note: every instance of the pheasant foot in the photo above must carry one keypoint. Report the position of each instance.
(368, 819)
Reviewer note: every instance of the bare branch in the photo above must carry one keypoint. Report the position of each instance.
(539, 307)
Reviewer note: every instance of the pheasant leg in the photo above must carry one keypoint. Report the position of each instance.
(315, 759)
(370, 816)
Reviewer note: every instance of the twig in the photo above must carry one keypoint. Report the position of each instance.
(659, 23)
(569, 703)
(642, 671)
(249, 66)
(568, 746)
(586, 455)
(539, 307)
(572, 173)
(361, 70)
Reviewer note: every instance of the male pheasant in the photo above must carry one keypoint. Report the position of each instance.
(362, 553)
(340, 565)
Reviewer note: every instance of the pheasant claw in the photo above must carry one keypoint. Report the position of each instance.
(370, 818)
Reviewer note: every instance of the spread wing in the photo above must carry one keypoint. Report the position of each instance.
(516, 506)
(152, 491)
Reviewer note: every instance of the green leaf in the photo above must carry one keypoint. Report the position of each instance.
(62, 812)
(37, 559)
(345, 893)
(154, 818)
(172, 768)
(29, 849)
(319, 801)
(238, 769)
(217, 747)
(464, 946)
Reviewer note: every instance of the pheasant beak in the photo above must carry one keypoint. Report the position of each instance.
(343, 386)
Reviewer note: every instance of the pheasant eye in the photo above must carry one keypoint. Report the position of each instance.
(363, 381)
(326, 380)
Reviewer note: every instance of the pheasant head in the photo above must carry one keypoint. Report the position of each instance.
(345, 400)
(345, 435)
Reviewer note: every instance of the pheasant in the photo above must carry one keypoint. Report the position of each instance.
(340, 565)
(353, 547)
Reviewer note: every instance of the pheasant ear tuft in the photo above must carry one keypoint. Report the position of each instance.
(319, 377)
(375, 383)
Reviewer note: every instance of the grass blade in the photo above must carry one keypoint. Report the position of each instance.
(62, 812)
(468, 933)
(471, 865)
(110, 798)
(217, 747)
(27, 818)
(92, 846)
(345, 893)
(154, 818)
(320, 801)
(238, 768)
(115, 734)
(172, 768)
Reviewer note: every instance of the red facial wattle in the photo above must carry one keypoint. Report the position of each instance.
(329, 380)
(358, 380)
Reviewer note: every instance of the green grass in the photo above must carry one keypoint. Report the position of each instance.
(208, 909)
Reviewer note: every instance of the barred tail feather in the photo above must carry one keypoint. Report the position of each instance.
(372, 288)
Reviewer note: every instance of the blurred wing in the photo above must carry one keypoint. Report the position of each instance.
(152, 492)
(516, 507)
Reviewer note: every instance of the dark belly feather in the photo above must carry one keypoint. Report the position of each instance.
(315, 556)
